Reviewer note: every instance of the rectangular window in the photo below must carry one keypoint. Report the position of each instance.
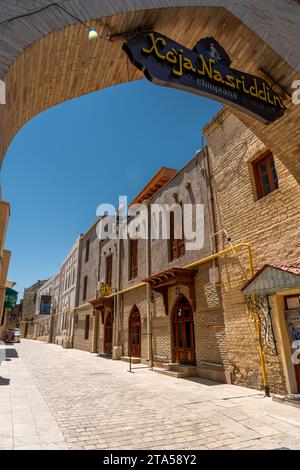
(265, 173)
(87, 327)
(133, 258)
(176, 245)
(109, 269)
(85, 281)
(87, 250)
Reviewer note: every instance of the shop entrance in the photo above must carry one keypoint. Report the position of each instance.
(183, 332)
(292, 316)
(135, 333)
(108, 334)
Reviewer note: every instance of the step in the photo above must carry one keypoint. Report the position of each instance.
(292, 400)
(105, 355)
(169, 373)
(134, 360)
(188, 369)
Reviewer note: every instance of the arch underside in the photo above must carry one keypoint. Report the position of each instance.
(63, 65)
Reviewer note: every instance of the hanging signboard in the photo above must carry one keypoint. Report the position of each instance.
(45, 305)
(11, 297)
(204, 70)
(105, 290)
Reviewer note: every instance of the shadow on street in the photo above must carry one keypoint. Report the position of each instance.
(4, 381)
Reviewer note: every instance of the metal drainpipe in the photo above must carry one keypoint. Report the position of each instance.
(212, 200)
(117, 352)
(148, 261)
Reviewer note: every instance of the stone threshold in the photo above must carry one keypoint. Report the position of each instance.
(292, 400)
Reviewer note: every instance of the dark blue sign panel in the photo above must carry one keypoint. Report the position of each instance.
(45, 305)
(205, 70)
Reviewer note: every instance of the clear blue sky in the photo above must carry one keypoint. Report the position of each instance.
(71, 158)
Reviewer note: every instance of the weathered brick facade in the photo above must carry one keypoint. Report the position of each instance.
(189, 186)
(269, 224)
(88, 274)
(221, 178)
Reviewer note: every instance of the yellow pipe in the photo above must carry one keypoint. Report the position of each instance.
(225, 252)
(136, 286)
(200, 261)
(240, 246)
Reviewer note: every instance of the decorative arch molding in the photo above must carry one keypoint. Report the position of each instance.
(182, 327)
(134, 332)
(259, 16)
(176, 300)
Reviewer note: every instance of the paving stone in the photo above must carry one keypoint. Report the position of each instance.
(68, 399)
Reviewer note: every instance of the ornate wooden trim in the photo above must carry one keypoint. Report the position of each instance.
(161, 282)
(99, 303)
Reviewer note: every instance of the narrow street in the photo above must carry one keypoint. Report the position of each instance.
(52, 398)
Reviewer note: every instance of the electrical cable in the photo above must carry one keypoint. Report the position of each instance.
(54, 4)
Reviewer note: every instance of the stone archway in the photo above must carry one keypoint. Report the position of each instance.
(41, 72)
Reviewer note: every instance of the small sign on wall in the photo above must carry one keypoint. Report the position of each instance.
(292, 302)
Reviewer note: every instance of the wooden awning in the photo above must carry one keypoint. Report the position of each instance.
(161, 282)
(99, 303)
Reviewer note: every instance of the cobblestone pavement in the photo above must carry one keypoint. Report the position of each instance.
(52, 398)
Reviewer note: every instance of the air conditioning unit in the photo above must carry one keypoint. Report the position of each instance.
(214, 276)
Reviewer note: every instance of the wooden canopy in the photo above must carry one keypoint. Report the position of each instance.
(99, 303)
(171, 277)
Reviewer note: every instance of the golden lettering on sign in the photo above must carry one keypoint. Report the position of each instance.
(181, 64)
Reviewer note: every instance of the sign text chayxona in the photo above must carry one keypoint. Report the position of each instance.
(205, 70)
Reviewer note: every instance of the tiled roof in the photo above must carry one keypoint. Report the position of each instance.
(288, 268)
(155, 184)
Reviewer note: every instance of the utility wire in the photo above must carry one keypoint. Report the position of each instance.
(33, 12)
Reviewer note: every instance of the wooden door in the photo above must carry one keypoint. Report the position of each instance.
(135, 333)
(108, 334)
(292, 316)
(183, 333)
(297, 373)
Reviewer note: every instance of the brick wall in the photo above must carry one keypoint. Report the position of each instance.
(79, 331)
(270, 225)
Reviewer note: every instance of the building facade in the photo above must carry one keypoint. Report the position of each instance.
(167, 313)
(88, 275)
(248, 197)
(5, 256)
(46, 307)
(228, 309)
(62, 323)
(29, 308)
(257, 201)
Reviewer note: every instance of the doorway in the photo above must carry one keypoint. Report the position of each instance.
(135, 333)
(292, 317)
(108, 333)
(183, 333)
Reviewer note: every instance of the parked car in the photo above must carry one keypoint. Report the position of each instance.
(12, 335)
(17, 335)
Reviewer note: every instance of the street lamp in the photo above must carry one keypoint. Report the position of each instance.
(93, 34)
